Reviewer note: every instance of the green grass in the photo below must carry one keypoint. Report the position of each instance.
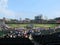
(35, 25)
(45, 25)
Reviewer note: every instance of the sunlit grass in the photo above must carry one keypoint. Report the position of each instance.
(35, 25)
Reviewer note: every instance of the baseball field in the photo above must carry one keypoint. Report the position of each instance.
(35, 25)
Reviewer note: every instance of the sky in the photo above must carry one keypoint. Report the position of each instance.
(29, 8)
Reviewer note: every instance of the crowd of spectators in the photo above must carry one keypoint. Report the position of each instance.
(32, 34)
(23, 32)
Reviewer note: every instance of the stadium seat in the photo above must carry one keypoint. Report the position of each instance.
(15, 41)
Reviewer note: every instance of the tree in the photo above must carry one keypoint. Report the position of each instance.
(58, 18)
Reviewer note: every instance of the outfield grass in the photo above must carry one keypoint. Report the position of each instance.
(35, 25)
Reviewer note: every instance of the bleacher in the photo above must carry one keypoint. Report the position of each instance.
(15, 41)
(52, 39)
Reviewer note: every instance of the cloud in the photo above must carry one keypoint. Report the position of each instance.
(4, 9)
(56, 13)
(3, 3)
